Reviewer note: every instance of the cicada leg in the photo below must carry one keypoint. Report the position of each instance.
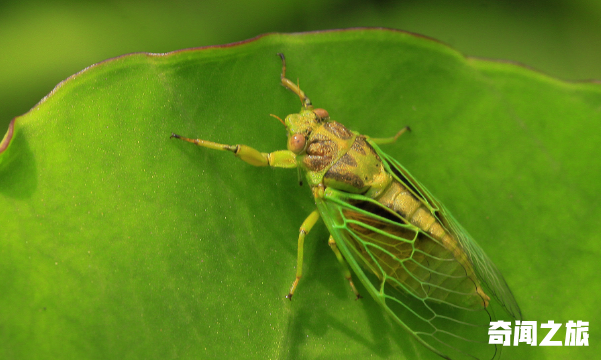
(280, 158)
(304, 230)
(392, 139)
(292, 86)
(347, 271)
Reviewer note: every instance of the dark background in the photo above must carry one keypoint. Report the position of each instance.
(42, 43)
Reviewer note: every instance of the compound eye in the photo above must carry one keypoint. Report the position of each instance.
(322, 114)
(296, 143)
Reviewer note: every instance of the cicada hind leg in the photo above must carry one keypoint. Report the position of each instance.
(347, 271)
(392, 139)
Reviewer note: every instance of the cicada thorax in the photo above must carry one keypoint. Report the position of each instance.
(429, 263)
(337, 157)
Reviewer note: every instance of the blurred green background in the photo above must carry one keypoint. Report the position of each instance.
(42, 43)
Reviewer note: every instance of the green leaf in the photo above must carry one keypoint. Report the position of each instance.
(117, 242)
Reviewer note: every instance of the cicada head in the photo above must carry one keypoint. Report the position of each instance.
(300, 125)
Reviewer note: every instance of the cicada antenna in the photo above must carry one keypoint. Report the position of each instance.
(279, 118)
(301, 95)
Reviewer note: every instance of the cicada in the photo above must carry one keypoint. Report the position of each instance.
(413, 258)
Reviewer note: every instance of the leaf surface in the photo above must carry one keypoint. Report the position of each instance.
(117, 242)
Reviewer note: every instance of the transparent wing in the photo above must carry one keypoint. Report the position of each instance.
(485, 269)
(419, 280)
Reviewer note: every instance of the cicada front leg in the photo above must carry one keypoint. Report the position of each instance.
(280, 158)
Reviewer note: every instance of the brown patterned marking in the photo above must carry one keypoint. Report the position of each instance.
(316, 163)
(373, 151)
(348, 159)
(338, 130)
(339, 172)
(320, 154)
(359, 145)
(315, 137)
(322, 148)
